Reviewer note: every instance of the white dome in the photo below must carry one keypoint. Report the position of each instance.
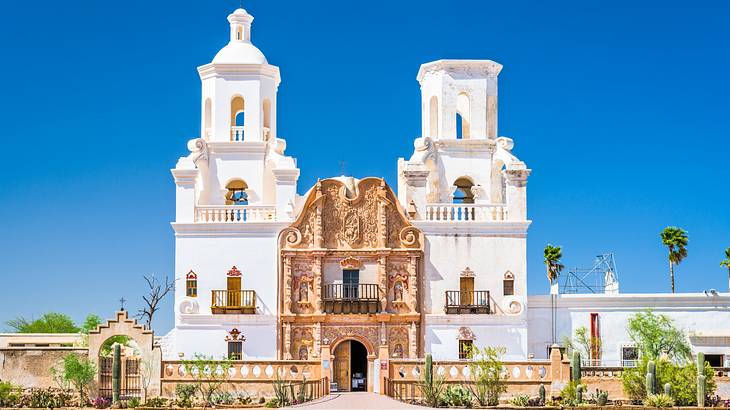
(237, 52)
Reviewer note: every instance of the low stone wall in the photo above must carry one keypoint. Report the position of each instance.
(254, 378)
(30, 366)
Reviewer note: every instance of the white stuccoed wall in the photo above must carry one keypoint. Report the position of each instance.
(698, 314)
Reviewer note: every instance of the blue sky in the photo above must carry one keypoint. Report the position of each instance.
(620, 108)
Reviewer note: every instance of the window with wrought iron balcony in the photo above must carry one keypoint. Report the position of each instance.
(466, 300)
(351, 296)
(233, 300)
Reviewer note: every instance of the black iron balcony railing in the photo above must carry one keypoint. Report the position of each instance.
(233, 301)
(467, 302)
(343, 298)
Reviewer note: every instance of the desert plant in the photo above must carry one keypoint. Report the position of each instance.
(9, 394)
(101, 402)
(431, 385)
(281, 393)
(185, 393)
(575, 368)
(46, 398)
(650, 378)
(656, 337)
(116, 373)
(600, 397)
(701, 380)
(681, 377)
(668, 389)
(488, 381)
(79, 372)
(521, 400)
(156, 402)
(658, 400)
(541, 394)
(208, 375)
(457, 396)
(675, 239)
(133, 402)
(570, 395)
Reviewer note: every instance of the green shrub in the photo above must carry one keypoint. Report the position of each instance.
(488, 381)
(9, 394)
(133, 402)
(681, 377)
(156, 402)
(521, 400)
(457, 396)
(658, 400)
(569, 396)
(47, 398)
(185, 393)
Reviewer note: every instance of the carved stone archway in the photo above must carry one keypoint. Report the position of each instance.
(122, 325)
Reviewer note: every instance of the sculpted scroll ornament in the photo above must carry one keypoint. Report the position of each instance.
(369, 333)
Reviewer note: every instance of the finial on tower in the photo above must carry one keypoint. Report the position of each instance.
(240, 25)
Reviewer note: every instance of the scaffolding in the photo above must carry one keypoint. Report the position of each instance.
(601, 278)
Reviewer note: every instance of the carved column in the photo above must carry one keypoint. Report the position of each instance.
(383, 282)
(413, 282)
(287, 341)
(382, 217)
(287, 285)
(317, 271)
(412, 341)
(318, 229)
(317, 343)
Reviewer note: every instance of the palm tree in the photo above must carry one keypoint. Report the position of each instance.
(726, 262)
(553, 265)
(675, 239)
(552, 262)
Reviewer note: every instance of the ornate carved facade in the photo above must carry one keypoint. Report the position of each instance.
(346, 225)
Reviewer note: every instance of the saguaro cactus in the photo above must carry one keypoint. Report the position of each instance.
(579, 393)
(575, 366)
(116, 373)
(650, 378)
(668, 389)
(701, 382)
(541, 393)
(428, 370)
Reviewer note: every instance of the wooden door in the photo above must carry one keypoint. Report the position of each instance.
(234, 291)
(342, 366)
(466, 288)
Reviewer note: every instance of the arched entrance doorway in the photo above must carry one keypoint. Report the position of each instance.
(351, 366)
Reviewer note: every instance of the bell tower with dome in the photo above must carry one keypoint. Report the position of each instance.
(239, 89)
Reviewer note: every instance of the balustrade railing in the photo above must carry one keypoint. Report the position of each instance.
(465, 212)
(467, 302)
(233, 301)
(237, 133)
(234, 213)
(347, 298)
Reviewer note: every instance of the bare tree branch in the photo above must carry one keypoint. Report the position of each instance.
(157, 292)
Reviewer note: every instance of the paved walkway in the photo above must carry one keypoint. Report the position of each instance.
(357, 400)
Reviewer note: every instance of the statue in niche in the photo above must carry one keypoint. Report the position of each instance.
(303, 353)
(398, 291)
(303, 292)
(398, 351)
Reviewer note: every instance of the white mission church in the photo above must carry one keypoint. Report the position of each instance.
(362, 269)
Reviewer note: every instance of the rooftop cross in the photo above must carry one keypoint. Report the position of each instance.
(121, 301)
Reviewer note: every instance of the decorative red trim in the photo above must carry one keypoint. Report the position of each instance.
(234, 271)
(191, 275)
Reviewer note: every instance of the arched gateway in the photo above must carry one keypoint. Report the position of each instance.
(350, 271)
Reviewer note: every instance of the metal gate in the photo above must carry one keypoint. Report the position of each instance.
(130, 378)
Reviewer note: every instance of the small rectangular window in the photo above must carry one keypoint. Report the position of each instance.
(715, 360)
(235, 350)
(191, 288)
(629, 356)
(509, 287)
(465, 348)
